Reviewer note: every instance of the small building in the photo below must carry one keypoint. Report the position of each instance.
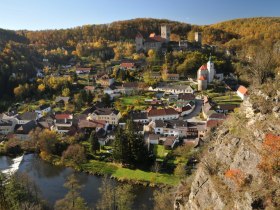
(139, 116)
(104, 80)
(63, 123)
(170, 142)
(80, 70)
(109, 115)
(43, 110)
(6, 126)
(22, 130)
(163, 114)
(153, 138)
(27, 117)
(61, 101)
(242, 92)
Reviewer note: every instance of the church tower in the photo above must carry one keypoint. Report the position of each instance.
(139, 42)
(165, 32)
(211, 70)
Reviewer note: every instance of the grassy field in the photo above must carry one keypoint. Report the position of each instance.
(228, 99)
(125, 174)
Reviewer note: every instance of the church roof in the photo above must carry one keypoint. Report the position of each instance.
(201, 78)
(203, 67)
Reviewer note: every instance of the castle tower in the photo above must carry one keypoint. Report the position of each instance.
(165, 32)
(211, 70)
(139, 42)
(198, 37)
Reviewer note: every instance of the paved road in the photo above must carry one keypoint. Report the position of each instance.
(195, 112)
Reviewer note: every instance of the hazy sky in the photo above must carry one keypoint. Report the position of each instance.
(51, 14)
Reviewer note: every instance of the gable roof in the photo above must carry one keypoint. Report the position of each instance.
(63, 116)
(25, 128)
(28, 116)
(203, 67)
(242, 90)
(162, 112)
(106, 111)
(186, 96)
(60, 98)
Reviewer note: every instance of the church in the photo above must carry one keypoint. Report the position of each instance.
(205, 75)
(154, 41)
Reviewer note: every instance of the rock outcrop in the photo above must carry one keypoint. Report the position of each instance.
(236, 145)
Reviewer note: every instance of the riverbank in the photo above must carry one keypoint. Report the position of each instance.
(116, 171)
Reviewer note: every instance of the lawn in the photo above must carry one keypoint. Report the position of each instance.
(120, 173)
(233, 99)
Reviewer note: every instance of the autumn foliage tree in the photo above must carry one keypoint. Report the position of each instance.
(237, 176)
(270, 161)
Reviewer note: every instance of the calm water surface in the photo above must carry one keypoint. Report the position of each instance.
(50, 180)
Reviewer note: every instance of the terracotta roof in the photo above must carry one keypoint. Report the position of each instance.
(127, 65)
(242, 90)
(92, 124)
(63, 116)
(203, 67)
(201, 78)
(169, 140)
(162, 112)
(152, 35)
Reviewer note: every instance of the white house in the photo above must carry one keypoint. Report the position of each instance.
(63, 123)
(174, 89)
(42, 110)
(163, 114)
(27, 117)
(153, 138)
(242, 92)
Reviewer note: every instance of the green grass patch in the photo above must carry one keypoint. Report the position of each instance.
(160, 151)
(120, 173)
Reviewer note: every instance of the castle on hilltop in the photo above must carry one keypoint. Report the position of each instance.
(154, 41)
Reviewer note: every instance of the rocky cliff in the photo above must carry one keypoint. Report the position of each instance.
(229, 175)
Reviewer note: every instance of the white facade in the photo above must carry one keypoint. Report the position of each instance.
(42, 112)
(211, 71)
(164, 117)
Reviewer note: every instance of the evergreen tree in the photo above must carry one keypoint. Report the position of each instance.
(120, 146)
(94, 143)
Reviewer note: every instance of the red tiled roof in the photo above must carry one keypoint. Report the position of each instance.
(203, 67)
(162, 112)
(242, 90)
(201, 78)
(152, 35)
(62, 116)
(128, 65)
(89, 88)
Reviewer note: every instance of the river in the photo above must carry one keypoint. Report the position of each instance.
(50, 180)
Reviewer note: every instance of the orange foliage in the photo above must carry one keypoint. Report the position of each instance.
(271, 154)
(237, 176)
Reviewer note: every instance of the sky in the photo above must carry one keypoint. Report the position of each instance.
(56, 14)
